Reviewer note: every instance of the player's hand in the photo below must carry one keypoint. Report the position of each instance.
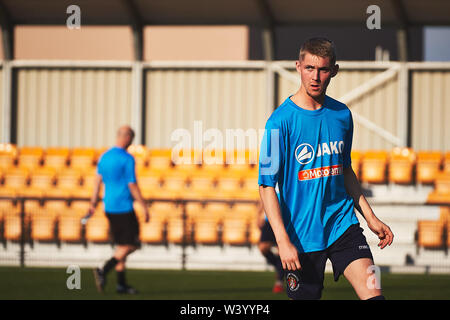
(91, 210)
(147, 216)
(289, 256)
(383, 232)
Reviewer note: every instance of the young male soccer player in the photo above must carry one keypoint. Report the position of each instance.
(306, 150)
(266, 242)
(116, 169)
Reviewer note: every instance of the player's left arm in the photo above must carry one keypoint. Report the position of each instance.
(354, 189)
(95, 194)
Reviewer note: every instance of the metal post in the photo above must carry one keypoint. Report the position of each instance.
(22, 232)
(184, 241)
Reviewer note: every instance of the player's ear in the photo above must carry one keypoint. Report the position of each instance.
(297, 66)
(335, 70)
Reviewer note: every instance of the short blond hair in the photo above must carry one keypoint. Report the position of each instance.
(321, 47)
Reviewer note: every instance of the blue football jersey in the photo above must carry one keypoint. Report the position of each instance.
(305, 152)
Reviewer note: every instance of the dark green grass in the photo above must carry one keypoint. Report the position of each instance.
(50, 283)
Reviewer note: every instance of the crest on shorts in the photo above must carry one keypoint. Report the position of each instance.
(292, 282)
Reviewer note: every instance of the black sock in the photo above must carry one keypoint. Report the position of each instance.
(381, 297)
(121, 278)
(276, 262)
(110, 264)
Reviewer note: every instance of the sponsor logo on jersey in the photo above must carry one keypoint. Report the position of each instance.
(304, 153)
(320, 172)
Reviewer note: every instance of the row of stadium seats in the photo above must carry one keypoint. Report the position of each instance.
(400, 165)
(435, 233)
(172, 183)
(56, 221)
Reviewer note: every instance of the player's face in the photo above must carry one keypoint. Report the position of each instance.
(316, 73)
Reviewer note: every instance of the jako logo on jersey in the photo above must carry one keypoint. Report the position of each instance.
(304, 153)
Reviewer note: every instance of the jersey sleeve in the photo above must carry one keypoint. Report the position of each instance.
(271, 154)
(100, 166)
(130, 172)
(347, 159)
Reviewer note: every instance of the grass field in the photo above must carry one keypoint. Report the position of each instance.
(50, 283)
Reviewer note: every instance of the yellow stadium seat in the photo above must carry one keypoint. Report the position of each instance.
(246, 211)
(8, 156)
(165, 210)
(441, 192)
(68, 179)
(82, 158)
(33, 207)
(69, 228)
(447, 162)
(218, 211)
(56, 158)
(43, 227)
(206, 231)
(427, 166)
(430, 233)
(153, 231)
(187, 161)
(12, 227)
(43, 178)
(8, 191)
(175, 231)
(213, 157)
(356, 162)
(149, 179)
(30, 157)
(194, 209)
(401, 161)
(373, 167)
(97, 228)
(31, 192)
(229, 183)
(7, 161)
(241, 159)
(140, 154)
(79, 208)
(250, 183)
(16, 178)
(234, 231)
(255, 233)
(160, 159)
(89, 177)
(202, 180)
(7, 206)
(174, 182)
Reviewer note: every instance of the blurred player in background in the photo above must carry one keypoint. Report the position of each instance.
(116, 169)
(306, 150)
(266, 242)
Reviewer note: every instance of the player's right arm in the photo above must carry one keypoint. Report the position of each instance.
(287, 251)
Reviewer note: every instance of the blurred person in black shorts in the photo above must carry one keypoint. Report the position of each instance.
(266, 242)
(116, 169)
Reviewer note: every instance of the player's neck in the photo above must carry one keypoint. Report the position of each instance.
(305, 101)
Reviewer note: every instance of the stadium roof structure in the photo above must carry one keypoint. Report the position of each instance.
(266, 13)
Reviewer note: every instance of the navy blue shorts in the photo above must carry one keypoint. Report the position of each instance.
(307, 283)
(267, 234)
